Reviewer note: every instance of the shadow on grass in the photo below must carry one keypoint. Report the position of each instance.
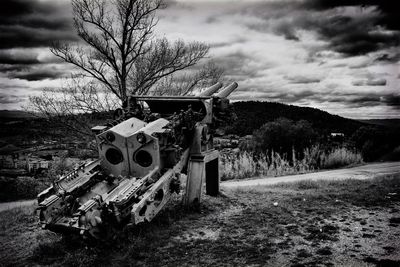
(137, 243)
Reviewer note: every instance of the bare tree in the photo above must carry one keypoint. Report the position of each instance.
(120, 50)
(75, 106)
(119, 55)
(192, 80)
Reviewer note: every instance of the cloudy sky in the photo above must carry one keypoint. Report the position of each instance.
(337, 55)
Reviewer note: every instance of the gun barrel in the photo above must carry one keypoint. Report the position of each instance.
(211, 90)
(227, 90)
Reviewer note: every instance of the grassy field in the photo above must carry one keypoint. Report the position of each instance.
(346, 223)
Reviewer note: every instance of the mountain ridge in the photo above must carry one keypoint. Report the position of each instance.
(251, 115)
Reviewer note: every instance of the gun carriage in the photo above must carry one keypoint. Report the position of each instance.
(144, 158)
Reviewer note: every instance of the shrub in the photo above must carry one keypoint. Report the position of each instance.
(282, 135)
(376, 143)
(340, 157)
(20, 188)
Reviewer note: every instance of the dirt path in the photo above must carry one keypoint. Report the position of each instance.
(16, 204)
(360, 172)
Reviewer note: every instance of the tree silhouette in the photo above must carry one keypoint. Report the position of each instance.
(119, 48)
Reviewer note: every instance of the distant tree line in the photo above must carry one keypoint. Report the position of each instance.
(377, 143)
(283, 136)
(289, 130)
(251, 115)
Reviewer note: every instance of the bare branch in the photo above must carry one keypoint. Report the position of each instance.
(120, 54)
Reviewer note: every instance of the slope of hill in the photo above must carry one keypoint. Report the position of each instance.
(390, 123)
(251, 115)
(15, 114)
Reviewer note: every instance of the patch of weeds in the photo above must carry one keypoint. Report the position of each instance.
(82, 258)
(324, 251)
(303, 253)
(394, 220)
(307, 184)
(326, 232)
(382, 262)
(48, 253)
(365, 235)
(15, 219)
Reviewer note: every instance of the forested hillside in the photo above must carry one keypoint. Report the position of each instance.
(251, 115)
(389, 123)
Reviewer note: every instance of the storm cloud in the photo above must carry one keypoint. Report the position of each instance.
(9, 57)
(39, 74)
(370, 82)
(336, 55)
(389, 10)
(27, 29)
(349, 27)
(34, 23)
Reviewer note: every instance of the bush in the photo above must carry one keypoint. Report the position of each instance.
(376, 143)
(20, 188)
(340, 157)
(282, 135)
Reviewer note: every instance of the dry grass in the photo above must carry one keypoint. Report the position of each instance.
(340, 157)
(244, 164)
(342, 223)
(247, 164)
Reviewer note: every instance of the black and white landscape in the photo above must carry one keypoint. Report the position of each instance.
(309, 147)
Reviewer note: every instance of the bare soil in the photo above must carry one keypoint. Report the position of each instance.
(308, 223)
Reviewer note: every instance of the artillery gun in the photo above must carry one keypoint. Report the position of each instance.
(144, 157)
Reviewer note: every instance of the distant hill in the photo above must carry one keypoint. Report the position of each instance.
(15, 114)
(253, 114)
(390, 123)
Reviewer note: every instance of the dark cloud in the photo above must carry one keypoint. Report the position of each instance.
(237, 64)
(356, 100)
(360, 35)
(355, 36)
(389, 10)
(13, 58)
(391, 100)
(370, 82)
(365, 31)
(34, 23)
(288, 31)
(302, 79)
(4, 68)
(37, 75)
(363, 101)
(237, 40)
(394, 58)
(25, 64)
(27, 24)
(14, 36)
